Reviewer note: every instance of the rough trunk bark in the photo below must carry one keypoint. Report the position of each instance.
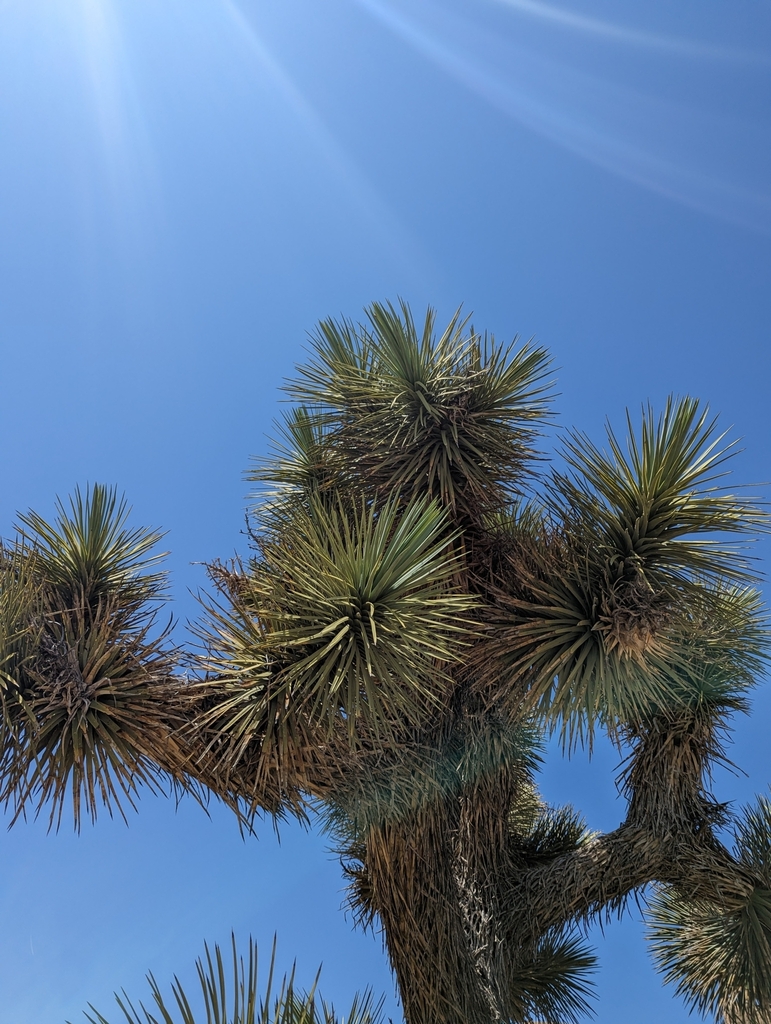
(667, 837)
(415, 890)
(482, 862)
(462, 914)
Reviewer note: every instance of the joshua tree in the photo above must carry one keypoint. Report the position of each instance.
(425, 602)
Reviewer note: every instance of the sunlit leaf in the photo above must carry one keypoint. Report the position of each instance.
(450, 416)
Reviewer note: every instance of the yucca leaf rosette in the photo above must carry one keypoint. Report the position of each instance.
(625, 571)
(229, 992)
(88, 701)
(344, 627)
(452, 416)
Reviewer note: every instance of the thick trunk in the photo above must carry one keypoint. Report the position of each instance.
(482, 861)
(415, 890)
(462, 914)
(455, 922)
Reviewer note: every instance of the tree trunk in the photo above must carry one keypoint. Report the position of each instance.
(415, 890)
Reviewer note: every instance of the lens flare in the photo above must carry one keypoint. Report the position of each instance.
(397, 241)
(607, 30)
(125, 149)
(655, 143)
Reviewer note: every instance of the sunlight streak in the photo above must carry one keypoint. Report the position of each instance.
(400, 244)
(125, 145)
(617, 33)
(559, 108)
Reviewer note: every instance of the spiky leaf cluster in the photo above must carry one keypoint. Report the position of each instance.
(717, 956)
(621, 592)
(341, 632)
(391, 404)
(230, 994)
(87, 698)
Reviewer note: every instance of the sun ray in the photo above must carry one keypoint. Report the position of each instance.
(579, 118)
(611, 32)
(126, 152)
(396, 239)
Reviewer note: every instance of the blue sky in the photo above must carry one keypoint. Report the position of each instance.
(187, 187)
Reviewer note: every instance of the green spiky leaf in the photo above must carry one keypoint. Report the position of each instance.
(230, 994)
(451, 416)
(89, 680)
(348, 618)
(90, 550)
(657, 504)
(718, 957)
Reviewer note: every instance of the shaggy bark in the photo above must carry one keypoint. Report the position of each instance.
(414, 889)
(667, 836)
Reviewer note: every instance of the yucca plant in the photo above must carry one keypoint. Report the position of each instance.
(89, 702)
(425, 602)
(229, 993)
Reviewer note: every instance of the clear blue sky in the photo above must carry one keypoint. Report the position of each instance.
(187, 186)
